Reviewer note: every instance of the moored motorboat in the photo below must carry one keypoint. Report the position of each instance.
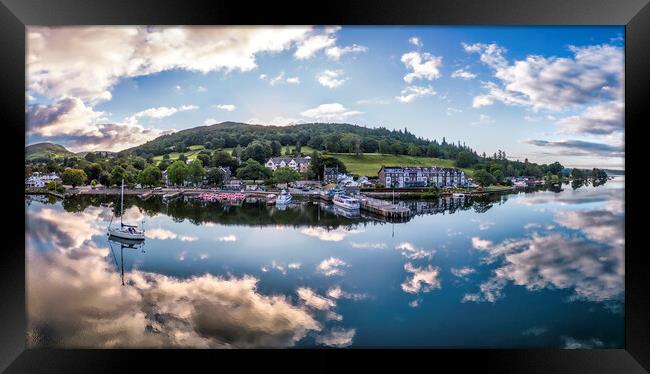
(284, 198)
(346, 202)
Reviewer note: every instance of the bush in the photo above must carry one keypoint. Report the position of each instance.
(51, 186)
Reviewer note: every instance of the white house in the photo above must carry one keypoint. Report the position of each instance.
(300, 164)
(38, 180)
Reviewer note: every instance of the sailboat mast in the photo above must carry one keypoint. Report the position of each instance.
(122, 203)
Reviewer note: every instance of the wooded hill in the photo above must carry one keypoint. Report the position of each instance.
(329, 137)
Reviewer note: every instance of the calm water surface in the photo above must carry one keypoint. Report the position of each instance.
(531, 269)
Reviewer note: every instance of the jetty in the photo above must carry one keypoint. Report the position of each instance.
(384, 208)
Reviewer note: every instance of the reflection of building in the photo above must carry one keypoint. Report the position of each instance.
(300, 164)
(38, 180)
(398, 176)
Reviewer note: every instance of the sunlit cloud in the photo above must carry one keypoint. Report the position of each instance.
(462, 272)
(76, 300)
(337, 337)
(333, 235)
(421, 279)
(314, 300)
(410, 251)
(332, 266)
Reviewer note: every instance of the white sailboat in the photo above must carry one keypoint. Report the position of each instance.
(124, 231)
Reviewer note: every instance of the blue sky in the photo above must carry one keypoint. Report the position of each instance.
(545, 93)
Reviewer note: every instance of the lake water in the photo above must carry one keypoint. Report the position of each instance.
(540, 268)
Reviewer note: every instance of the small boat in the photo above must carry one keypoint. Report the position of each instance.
(284, 198)
(346, 202)
(124, 231)
(458, 194)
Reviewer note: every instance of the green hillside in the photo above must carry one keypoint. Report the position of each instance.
(46, 150)
(368, 164)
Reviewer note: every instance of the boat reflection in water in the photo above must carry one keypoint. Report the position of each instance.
(123, 243)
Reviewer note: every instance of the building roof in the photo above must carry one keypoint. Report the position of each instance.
(407, 169)
(299, 160)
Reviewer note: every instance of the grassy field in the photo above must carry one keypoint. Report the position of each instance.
(191, 155)
(368, 164)
(305, 150)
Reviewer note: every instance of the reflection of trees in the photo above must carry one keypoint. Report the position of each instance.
(299, 214)
(577, 183)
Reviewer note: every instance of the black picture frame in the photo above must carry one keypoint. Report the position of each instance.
(634, 14)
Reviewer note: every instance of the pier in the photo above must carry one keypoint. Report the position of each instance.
(384, 208)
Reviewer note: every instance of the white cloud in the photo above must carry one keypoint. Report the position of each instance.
(462, 272)
(103, 55)
(415, 41)
(331, 78)
(481, 244)
(201, 89)
(275, 121)
(335, 52)
(71, 123)
(463, 74)
(330, 112)
(314, 300)
(227, 238)
(421, 279)
(366, 245)
(75, 299)
(553, 83)
(280, 79)
(294, 265)
(594, 272)
(337, 337)
(209, 121)
(410, 251)
(160, 234)
(332, 266)
(277, 79)
(423, 66)
(226, 107)
(337, 293)
(163, 111)
(376, 101)
(310, 46)
(599, 119)
(412, 92)
(293, 80)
